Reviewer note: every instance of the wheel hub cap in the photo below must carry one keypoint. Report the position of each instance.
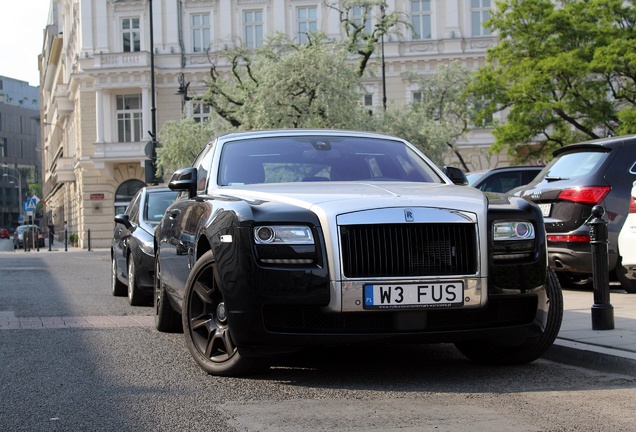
(220, 312)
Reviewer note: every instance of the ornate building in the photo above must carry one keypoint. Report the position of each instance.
(19, 146)
(96, 86)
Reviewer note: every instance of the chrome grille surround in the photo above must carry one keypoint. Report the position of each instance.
(435, 245)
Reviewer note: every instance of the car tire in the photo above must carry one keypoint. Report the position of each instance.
(117, 287)
(167, 320)
(495, 353)
(207, 328)
(627, 284)
(135, 296)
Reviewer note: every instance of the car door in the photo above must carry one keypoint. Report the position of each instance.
(179, 230)
(122, 234)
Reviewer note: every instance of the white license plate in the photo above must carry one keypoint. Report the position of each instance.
(545, 209)
(404, 296)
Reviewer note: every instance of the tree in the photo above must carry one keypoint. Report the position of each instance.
(441, 116)
(181, 141)
(563, 72)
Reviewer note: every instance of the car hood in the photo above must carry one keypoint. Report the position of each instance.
(345, 197)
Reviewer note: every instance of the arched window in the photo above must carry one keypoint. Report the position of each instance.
(125, 193)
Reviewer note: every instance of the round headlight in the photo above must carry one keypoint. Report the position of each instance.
(265, 234)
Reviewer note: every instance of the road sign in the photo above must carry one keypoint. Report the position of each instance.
(29, 204)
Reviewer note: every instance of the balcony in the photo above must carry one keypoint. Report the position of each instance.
(61, 101)
(121, 60)
(118, 152)
(65, 170)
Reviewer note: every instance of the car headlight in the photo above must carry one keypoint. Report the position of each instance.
(285, 245)
(283, 234)
(513, 240)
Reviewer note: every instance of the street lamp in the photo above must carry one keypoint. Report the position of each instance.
(19, 180)
(383, 64)
(183, 88)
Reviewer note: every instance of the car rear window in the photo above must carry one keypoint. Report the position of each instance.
(573, 165)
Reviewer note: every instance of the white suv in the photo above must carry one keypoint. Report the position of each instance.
(627, 240)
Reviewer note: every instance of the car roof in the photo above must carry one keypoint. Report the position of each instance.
(303, 132)
(602, 144)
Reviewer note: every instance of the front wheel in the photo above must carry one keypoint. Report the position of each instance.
(116, 287)
(135, 296)
(496, 353)
(207, 328)
(627, 284)
(167, 320)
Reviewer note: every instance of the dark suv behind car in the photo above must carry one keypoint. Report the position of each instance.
(580, 176)
(503, 179)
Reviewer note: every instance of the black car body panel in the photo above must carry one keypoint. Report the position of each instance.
(279, 297)
(599, 172)
(133, 235)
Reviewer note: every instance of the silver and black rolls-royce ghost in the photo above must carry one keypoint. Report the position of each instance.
(286, 239)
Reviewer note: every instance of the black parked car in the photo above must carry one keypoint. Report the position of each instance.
(503, 179)
(296, 238)
(132, 249)
(580, 176)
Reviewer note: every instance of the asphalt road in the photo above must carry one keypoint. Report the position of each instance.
(133, 378)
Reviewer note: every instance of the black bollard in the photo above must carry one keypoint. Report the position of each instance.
(602, 310)
(89, 239)
(65, 240)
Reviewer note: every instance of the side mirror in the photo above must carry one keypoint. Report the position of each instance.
(456, 175)
(124, 220)
(184, 179)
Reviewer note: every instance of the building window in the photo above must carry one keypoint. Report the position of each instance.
(479, 14)
(200, 112)
(3, 147)
(358, 14)
(125, 193)
(307, 18)
(130, 35)
(253, 28)
(368, 100)
(200, 32)
(129, 118)
(417, 96)
(421, 19)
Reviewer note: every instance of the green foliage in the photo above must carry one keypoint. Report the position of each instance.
(283, 84)
(181, 141)
(562, 72)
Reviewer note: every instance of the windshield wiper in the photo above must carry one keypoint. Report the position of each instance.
(550, 178)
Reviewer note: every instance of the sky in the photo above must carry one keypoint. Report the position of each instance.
(22, 37)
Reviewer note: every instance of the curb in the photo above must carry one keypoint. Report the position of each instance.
(592, 357)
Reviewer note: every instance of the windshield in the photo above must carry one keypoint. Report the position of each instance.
(321, 158)
(157, 203)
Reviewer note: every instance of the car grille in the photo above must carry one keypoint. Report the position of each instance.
(403, 250)
(504, 312)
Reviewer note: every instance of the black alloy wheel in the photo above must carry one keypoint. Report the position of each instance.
(207, 328)
(167, 320)
(496, 353)
(116, 286)
(135, 296)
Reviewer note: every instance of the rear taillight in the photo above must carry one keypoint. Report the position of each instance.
(590, 195)
(632, 205)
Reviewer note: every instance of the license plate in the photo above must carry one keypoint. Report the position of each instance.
(405, 296)
(545, 209)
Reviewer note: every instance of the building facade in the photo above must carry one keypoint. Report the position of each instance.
(19, 147)
(96, 85)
